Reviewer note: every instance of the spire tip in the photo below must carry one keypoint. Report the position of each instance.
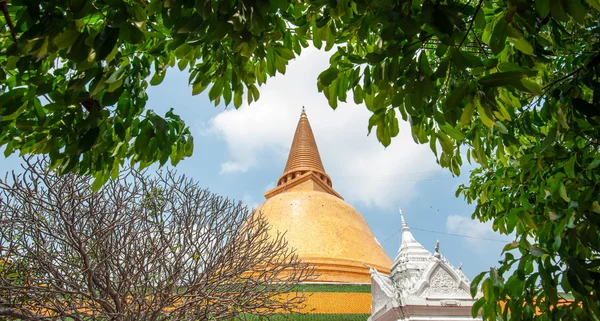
(404, 225)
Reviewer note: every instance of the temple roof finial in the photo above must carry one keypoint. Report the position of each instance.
(404, 225)
(304, 154)
(304, 168)
(437, 249)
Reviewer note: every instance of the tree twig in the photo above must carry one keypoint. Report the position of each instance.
(471, 23)
(9, 22)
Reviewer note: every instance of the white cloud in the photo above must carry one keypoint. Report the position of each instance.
(232, 167)
(249, 201)
(360, 168)
(475, 230)
(269, 186)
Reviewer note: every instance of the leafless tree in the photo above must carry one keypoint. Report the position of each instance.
(141, 248)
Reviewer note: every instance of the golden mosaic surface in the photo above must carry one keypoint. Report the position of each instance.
(328, 233)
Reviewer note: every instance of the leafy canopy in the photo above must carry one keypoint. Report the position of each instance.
(510, 85)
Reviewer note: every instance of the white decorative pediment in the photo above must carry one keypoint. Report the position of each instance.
(418, 282)
(442, 282)
(382, 290)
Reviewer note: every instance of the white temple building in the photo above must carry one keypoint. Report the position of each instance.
(421, 286)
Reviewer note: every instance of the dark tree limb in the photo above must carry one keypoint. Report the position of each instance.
(471, 23)
(9, 22)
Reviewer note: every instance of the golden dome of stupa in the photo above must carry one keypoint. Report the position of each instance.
(326, 231)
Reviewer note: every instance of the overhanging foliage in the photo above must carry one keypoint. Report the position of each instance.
(513, 85)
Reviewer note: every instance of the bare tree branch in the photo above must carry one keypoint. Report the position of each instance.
(142, 248)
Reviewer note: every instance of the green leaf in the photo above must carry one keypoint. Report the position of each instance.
(158, 77)
(383, 133)
(433, 147)
(570, 167)
(330, 36)
(510, 66)
(575, 9)
(98, 182)
(456, 96)
(285, 53)
(595, 163)
(536, 251)
(317, 42)
(374, 119)
(131, 33)
(480, 20)
(467, 114)
(542, 7)
(522, 45)
(531, 86)
(119, 130)
(216, 89)
(501, 128)
(550, 138)
(197, 88)
(105, 41)
(477, 306)
(393, 123)
(485, 114)
(498, 38)
(237, 98)
(447, 144)
(66, 39)
(595, 4)
(88, 139)
(12, 104)
(358, 94)
(575, 283)
(558, 10)
(585, 107)
(510, 246)
(328, 76)
(452, 132)
(424, 64)
(116, 76)
(475, 283)
(527, 219)
(227, 93)
(501, 79)
(562, 191)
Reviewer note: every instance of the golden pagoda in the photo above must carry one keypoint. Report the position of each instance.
(324, 230)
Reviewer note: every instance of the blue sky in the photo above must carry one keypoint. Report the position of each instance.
(241, 153)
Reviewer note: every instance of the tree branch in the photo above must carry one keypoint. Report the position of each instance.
(471, 23)
(9, 22)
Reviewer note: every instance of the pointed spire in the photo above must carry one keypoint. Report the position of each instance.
(404, 225)
(407, 236)
(304, 154)
(304, 170)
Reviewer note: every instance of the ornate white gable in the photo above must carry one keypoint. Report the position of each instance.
(442, 282)
(418, 278)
